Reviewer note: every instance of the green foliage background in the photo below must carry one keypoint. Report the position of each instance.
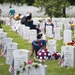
(53, 8)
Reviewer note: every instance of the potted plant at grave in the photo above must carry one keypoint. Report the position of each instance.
(36, 65)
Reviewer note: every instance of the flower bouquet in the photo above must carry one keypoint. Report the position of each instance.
(72, 43)
(44, 54)
(56, 55)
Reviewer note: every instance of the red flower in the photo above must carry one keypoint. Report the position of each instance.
(71, 43)
(68, 43)
(42, 53)
(72, 40)
(54, 54)
(46, 54)
(46, 50)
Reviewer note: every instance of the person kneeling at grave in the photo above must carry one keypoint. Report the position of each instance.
(39, 47)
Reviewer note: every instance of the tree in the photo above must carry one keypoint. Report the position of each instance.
(1, 1)
(72, 2)
(53, 7)
(30, 2)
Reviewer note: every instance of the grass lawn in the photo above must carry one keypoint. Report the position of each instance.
(52, 65)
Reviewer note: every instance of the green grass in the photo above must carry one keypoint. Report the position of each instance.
(52, 65)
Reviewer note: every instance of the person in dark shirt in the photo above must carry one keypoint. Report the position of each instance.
(26, 19)
(37, 45)
(49, 23)
(30, 24)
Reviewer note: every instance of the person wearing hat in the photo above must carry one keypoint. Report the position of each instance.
(49, 23)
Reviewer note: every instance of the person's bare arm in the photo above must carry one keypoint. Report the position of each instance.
(2, 54)
(32, 51)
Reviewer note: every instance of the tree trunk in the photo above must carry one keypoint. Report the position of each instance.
(64, 12)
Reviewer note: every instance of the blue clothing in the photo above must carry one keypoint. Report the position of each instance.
(12, 11)
(30, 24)
(38, 45)
(49, 25)
(38, 30)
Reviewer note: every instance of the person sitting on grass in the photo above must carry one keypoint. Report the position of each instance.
(39, 48)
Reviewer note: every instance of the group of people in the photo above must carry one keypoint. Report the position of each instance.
(39, 46)
(27, 21)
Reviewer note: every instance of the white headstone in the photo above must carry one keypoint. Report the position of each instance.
(69, 56)
(26, 33)
(10, 47)
(42, 26)
(67, 26)
(21, 56)
(40, 70)
(57, 33)
(3, 35)
(60, 25)
(74, 31)
(52, 46)
(21, 30)
(12, 22)
(22, 67)
(67, 36)
(49, 31)
(4, 42)
(1, 30)
(33, 35)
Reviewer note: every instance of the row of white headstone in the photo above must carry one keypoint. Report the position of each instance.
(20, 56)
(30, 35)
(67, 37)
(52, 48)
(58, 28)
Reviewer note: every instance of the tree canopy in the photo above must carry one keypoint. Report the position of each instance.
(52, 7)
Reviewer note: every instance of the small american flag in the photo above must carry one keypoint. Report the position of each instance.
(61, 60)
(11, 70)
